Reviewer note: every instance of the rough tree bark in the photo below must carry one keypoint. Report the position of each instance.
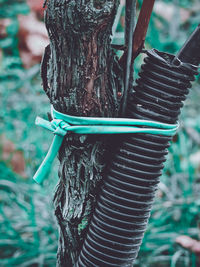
(84, 78)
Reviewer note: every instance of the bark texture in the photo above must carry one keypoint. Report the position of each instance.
(84, 78)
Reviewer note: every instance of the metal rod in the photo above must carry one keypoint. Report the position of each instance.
(129, 31)
(190, 52)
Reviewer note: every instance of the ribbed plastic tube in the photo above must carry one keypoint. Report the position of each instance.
(125, 200)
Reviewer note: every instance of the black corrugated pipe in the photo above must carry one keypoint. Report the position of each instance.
(125, 200)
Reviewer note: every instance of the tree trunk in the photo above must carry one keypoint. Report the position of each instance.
(84, 78)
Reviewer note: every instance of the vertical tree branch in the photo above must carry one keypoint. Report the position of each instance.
(84, 78)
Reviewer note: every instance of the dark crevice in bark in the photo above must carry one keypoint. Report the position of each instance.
(84, 78)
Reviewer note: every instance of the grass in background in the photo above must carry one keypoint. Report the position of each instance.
(28, 233)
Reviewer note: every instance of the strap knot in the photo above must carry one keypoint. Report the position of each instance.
(59, 126)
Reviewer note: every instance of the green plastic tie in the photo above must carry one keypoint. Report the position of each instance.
(63, 124)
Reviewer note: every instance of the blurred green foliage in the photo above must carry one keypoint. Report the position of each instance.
(28, 235)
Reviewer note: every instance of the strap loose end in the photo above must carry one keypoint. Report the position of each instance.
(45, 167)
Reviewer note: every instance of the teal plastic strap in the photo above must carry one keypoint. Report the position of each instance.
(63, 124)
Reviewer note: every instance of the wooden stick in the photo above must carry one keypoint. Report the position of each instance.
(140, 30)
(142, 26)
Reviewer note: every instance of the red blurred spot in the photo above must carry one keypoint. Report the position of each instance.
(32, 35)
(13, 157)
(37, 7)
